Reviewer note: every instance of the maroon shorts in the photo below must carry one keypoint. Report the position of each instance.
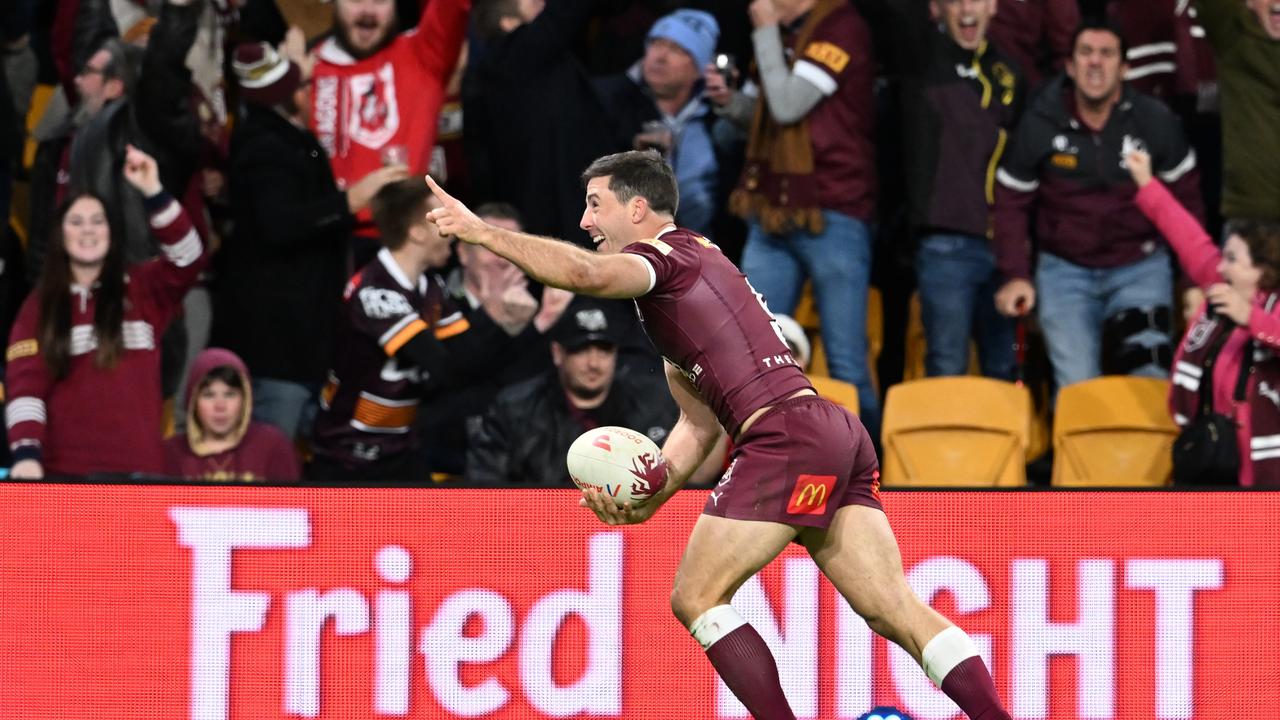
(797, 464)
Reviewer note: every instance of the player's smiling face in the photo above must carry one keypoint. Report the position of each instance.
(605, 218)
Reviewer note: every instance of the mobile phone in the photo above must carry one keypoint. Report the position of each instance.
(726, 64)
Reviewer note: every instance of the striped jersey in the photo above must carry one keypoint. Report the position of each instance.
(104, 419)
(369, 403)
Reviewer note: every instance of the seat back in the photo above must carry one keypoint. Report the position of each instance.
(1113, 431)
(837, 391)
(956, 431)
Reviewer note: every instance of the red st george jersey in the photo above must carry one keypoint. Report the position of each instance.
(706, 319)
(368, 406)
(392, 97)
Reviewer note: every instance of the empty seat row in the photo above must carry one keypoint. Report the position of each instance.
(975, 432)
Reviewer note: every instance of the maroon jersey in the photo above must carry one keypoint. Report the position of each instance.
(706, 319)
(838, 61)
(97, 419)
(263, 453)
(368, 406)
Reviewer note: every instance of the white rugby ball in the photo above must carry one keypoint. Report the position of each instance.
(620, 462)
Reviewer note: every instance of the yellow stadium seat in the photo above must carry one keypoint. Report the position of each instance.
(1113, 431)
(914, 349)
(40, 98)
(806, 312)
(837, 391)
(817, 357)
(956, 431)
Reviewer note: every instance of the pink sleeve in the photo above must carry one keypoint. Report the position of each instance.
(1197, 255)
(1265, 326)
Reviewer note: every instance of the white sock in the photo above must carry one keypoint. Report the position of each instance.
(944, 652)
(715, 624)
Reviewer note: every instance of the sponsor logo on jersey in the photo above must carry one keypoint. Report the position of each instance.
(325, 104)
(373, 114)
(1265, 390)
(1200, 332)
(380, 303)
(21, 349)
(662, 247)
(810, 494)
(1062, 144)
(829, 55)
(773, 361)
(1066, 161)
(1130, 144)
(1007, 81)
(592, 320)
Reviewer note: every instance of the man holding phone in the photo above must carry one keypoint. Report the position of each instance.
(659, 104)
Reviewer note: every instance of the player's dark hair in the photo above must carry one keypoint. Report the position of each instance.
(54, 296)
(397, 207)
(1101, 24)
(499, 211)
(488, 16)
(642, 173)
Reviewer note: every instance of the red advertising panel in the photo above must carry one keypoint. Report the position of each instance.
(253, 603)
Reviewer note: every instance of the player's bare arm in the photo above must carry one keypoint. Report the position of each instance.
(550, 261)
(694, 435)
(690, 442)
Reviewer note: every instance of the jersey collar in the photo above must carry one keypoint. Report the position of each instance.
(388, 262)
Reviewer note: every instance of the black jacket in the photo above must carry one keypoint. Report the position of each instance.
(1075, 183)
(529, 428)
(157, 117)
(534, 120)
(459, 405)
(958, 107)
(279, 277)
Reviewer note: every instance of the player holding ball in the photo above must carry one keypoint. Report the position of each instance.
(802, 469)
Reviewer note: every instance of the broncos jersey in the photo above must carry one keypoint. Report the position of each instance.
(368, 405)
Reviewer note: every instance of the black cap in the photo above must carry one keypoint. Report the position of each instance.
(584, 322)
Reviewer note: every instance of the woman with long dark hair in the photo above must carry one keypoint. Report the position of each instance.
(83, 363)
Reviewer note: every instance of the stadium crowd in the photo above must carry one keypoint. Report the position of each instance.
(217, 263)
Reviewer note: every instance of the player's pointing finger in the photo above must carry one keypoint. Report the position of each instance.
(437, 190)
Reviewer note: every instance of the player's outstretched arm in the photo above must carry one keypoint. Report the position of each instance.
(549, 261)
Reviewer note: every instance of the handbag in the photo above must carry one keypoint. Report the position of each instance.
(1206, 451)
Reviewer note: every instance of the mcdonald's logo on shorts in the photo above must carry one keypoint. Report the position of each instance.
(809, 497)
